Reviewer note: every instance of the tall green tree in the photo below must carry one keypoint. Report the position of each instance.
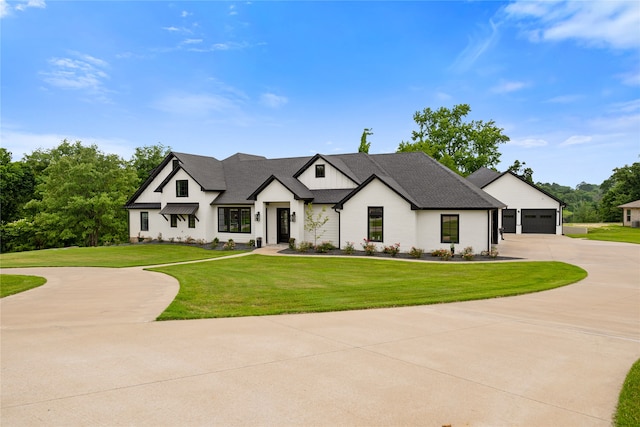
(462, 146)
(623, 186)
(146, 158)
(81, 195)
(364, 144)
(17, 185)
(522, 171)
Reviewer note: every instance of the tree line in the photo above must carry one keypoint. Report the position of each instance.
(70, 195)
(74, 195)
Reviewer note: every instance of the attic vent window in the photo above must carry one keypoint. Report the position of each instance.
(319, 171)
(176, 164)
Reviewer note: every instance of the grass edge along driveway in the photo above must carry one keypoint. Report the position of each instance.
(257, 285)
(110, 256)
(11, 284)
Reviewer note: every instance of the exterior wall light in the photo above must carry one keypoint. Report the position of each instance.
(293, 217)
(257, 216)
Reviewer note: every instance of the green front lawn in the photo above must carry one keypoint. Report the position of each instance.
(611, 232)
(628, 411)
(260, 285)
(110, 256)
(12, 283)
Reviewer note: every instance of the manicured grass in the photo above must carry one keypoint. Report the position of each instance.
(110, 256)
(611, 232)
(12, 283)
(628, 412)
(261, 285)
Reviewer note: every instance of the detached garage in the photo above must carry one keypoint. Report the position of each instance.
(529, 208)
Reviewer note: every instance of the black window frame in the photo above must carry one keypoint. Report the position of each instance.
(446, 226)
(173, 220)
(372, 212)
(320, 170)
(179, 192)
(240, 223)
(144, 221)
(192, 221)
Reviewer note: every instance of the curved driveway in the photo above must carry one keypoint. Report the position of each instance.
(83, 350)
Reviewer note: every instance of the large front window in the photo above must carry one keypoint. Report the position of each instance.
(234, 220)
(144, 221)
(450, 229)
(182, 188)
(374, 229)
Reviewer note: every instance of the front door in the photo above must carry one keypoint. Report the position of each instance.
(283, 225)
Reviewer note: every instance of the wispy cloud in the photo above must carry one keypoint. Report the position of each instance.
(576, 140)
(565, 99)
(611, 24)
(272, 100)
(477, 46)
(508, 87)
(6, 8)
(20, 142)
(630, 79)
(528, 142)
(79, 72)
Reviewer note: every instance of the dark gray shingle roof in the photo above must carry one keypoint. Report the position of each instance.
(419, 179)
(483, 177)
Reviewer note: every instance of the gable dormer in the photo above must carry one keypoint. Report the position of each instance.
(320, 173)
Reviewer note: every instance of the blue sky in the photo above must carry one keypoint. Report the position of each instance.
(285, 79)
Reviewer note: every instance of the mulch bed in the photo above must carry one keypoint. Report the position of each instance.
(425, 257)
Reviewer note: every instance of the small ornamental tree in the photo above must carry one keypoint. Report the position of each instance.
(313, 223)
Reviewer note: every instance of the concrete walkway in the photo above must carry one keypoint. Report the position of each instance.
(83, 350)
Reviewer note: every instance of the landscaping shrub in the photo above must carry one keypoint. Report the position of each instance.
(416, 252)
(349, 249)
(392, 250)
(368, 247)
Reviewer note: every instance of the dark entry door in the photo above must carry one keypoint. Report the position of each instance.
(283, 225)
(509, 220)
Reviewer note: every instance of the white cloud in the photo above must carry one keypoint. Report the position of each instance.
(476, 47)
(5, 7)
(272, 100)
(595, 23)
(20, 142)
(577, 139)
(565, 99)
(630, 79)
(184, 14)
(84, 72)
(507, 87)
(198, 105)
(192, 41)
(528, 142)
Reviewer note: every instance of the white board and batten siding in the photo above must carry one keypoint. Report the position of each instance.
(471, 226)
(333, 178)
(399, 221)
(328, 232)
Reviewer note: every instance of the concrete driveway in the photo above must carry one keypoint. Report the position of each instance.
(83, 350)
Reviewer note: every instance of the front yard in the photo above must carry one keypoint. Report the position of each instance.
(260, 285)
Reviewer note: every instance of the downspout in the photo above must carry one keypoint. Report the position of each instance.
(339, 227)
